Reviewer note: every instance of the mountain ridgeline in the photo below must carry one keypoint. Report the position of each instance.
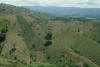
(71, 12)
(74, 11)
(36, 39)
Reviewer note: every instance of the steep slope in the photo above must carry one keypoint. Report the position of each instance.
(52, 52)
(15, 47)
(31, 42)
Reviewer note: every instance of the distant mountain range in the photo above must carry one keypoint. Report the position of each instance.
(67, 10)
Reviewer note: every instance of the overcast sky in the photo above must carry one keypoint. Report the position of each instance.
(64, 3)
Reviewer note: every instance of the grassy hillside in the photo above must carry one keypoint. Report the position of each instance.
(35, 41)
(60, 43)
(88, 43)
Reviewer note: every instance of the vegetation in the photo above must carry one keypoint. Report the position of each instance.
(3, 30)
(29, 34)
(85, 65)
(1, 46)
(2, 37)
(44, 41)
(48, 37)
(71, 63)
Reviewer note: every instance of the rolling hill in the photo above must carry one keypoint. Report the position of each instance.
(36, 39)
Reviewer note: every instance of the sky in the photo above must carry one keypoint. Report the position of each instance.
(61, 3)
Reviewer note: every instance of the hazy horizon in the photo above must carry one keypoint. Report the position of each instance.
(55, 3)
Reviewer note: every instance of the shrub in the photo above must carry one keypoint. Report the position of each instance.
(98, 42)
(85, 65)
(2, 37)
(48, 43)
(48, 36)
(1, 46)
(12, 50)
(71, 63)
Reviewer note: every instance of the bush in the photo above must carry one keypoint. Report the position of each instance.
(48, 36)
(85, 65)
(1, 46)
(98, 42)
(71, 63)
(2, 37)
(48, 43)
(12, 50)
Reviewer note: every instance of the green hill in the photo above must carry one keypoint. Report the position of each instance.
(35, 39)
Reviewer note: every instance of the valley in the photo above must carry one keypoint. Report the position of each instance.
(32, 39)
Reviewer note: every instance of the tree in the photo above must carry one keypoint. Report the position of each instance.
(48, 36)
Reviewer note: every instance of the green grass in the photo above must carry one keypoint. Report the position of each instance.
(31, 38)
(2, 25)
(88, 48)
(75, 35)
(5, 62)
(87, 45)
(41, 64)
(3, 30)
(83, 42)
(84, 45)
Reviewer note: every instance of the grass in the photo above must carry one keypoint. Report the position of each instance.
(88, 46)
(29, 35)
(72, 34)
(34, 40)
(3, 29)
(81, 37)
(67, 35)
(5, 62)
(41, 64)
(3, 25)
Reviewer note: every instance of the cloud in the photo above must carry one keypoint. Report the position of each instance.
(64, 3)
